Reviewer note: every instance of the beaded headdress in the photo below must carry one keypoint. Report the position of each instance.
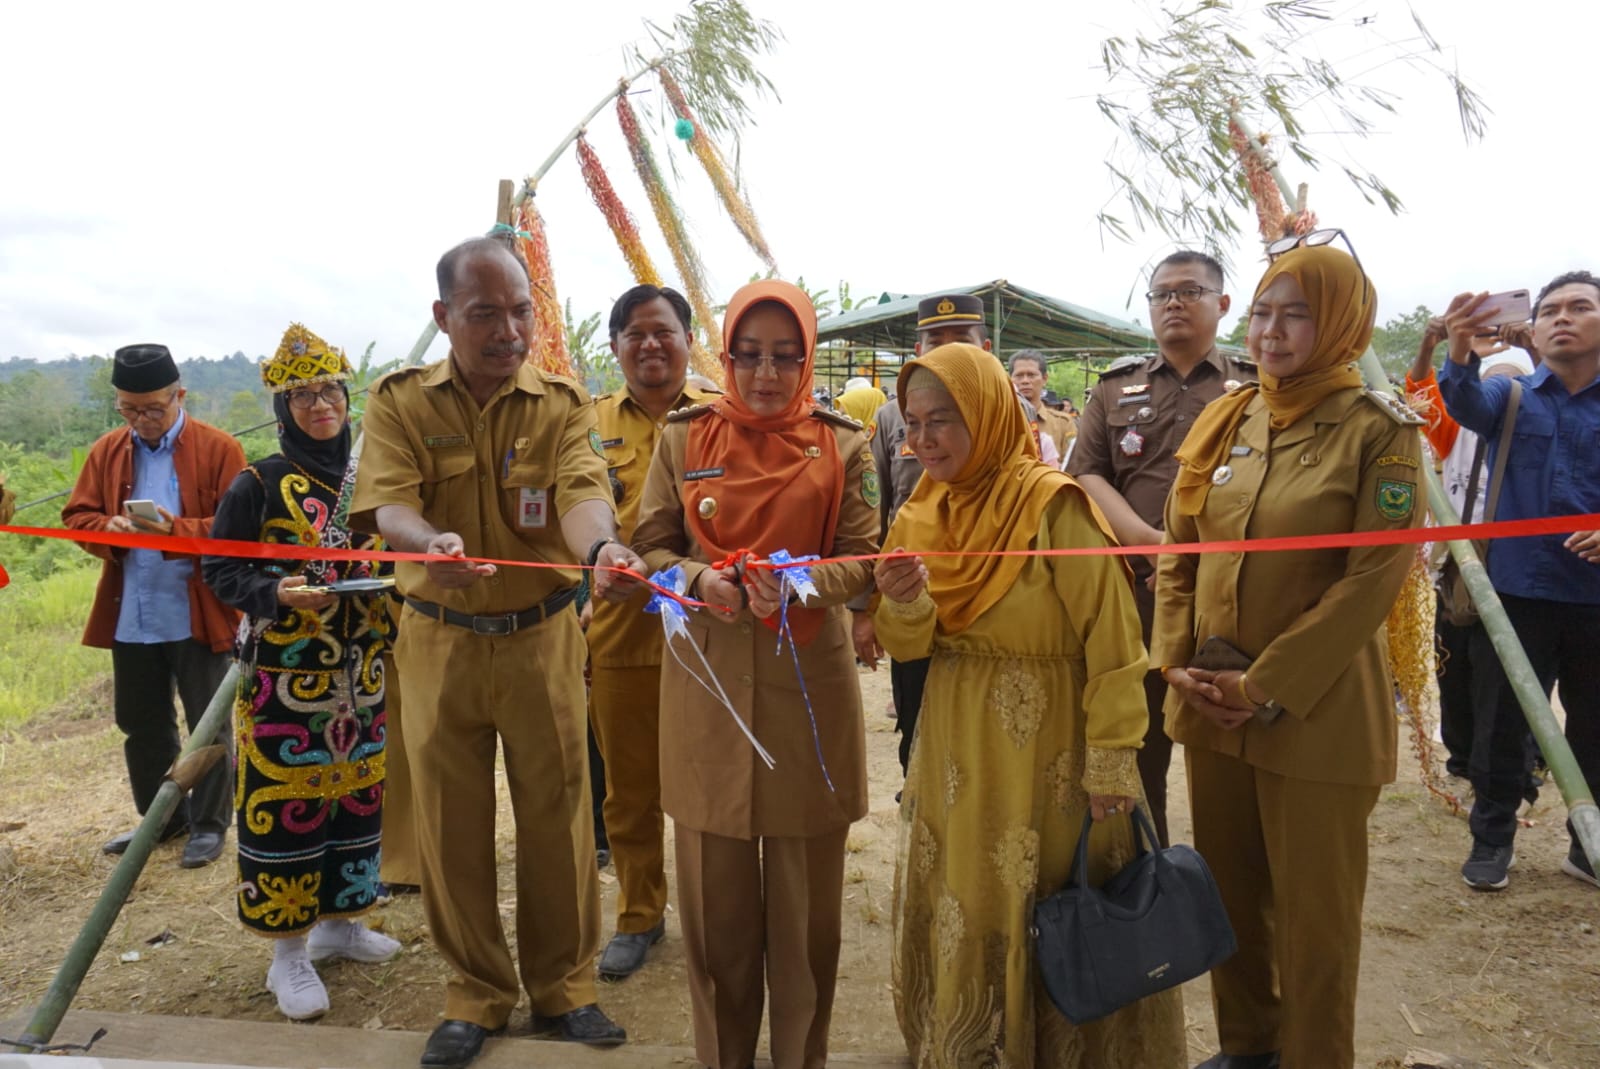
(303, 359)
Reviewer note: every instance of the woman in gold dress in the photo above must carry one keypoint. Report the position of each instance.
(1032, 715)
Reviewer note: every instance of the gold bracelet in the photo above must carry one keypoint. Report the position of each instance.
(1243, 693)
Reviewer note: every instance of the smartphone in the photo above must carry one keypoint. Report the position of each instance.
(1512, 306)
(142, 509)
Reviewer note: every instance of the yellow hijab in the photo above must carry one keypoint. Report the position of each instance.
(1344, 307)
(995, 502)
(861, 404)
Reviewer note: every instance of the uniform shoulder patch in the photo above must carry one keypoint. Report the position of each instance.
(399, 374)
(828, 415)
(1126, 369)
(1395, 498)
(1393, 407)
(682, 415)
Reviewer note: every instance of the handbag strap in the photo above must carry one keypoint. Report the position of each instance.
(1502, 450)
(1141, 823)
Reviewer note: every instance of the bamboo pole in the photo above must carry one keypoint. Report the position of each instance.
(1535, 703)
(75, 966)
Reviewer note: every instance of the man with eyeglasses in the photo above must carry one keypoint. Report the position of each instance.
(163, 626)
(650, 337)
(1128, 437)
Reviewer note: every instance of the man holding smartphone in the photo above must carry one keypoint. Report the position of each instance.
(163, 626)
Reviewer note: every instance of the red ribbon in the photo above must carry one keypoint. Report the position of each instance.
(222, 547)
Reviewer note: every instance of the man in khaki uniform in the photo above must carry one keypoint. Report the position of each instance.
(650, 337)
(1029, 369)
(482, 455)
(1130, 431)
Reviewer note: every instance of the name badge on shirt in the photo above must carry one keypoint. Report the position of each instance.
(533, 508)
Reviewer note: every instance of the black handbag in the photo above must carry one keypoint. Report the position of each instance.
(1156, 924)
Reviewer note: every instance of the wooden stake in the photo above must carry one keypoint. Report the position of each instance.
(502, 210)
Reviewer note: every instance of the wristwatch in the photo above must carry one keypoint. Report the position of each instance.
(594, 550)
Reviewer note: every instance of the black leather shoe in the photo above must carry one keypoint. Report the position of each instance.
(454, 1044)
(625, 954)
(602, 857)
(119, 844)
(1241, 1061)
(204, 847)
(586, 1024)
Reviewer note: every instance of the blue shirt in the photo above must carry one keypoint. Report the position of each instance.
(1553, 469)
(155, 591)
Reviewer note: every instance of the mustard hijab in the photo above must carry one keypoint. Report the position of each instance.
(861, 404)
(1344, 307)
(995, 502)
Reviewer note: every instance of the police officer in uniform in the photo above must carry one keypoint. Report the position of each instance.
(650, 337)
(482, 455)
(948, 317)
(1131, 427)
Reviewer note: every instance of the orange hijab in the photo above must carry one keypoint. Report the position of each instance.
(1344, 307)
(779, 479)
(995, 502)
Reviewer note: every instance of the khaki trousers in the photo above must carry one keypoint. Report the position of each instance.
(749, 904)
(1290, 858)
(464, 692)
(625, 709)
(400, 863)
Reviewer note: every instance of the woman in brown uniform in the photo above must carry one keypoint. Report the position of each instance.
(760, 851)
(1285, 758)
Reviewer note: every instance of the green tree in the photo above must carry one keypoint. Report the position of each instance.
(1397, 341)
(592, 357)
(1236, 336)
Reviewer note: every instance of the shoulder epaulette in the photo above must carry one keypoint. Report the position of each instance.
(691, 412)
(571, 385)
(383, 381)
(1242, 362)
(829, 415)
(1393, 407)
(1131, 366)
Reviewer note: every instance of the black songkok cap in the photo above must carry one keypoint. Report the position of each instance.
(955, 308)
(143, 368)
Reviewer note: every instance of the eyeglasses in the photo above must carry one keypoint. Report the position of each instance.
(1187, 295)
(780, 362)
(1311, 241)
(333, 394)
(135, 412)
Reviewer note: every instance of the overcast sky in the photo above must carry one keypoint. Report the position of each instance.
(203, 174)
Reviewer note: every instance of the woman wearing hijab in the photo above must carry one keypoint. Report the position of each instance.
(309, 713)
(1285, 758)
(760, 851)
(1031, 717)
(861, 401)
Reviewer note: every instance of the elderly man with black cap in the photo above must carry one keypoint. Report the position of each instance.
(163, 626)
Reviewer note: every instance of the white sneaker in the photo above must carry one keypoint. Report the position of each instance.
(351, 940)
(301, 995)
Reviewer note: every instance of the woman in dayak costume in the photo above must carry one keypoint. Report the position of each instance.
(761, 850)
(1033, 713)
(310, 707)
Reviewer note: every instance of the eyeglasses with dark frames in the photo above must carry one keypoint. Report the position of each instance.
(333, 394)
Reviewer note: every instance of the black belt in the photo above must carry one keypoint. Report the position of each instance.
(503, 623)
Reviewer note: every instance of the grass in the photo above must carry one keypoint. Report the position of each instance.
(42, 662)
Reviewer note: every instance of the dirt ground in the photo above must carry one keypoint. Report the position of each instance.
(1509, 979)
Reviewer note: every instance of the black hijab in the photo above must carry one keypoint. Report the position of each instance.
(326, 460)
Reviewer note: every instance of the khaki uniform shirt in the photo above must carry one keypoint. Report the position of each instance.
(624, 635)
(1061, 428)
(1136, 418)
(711, 777)
(500, 476)
(1314, 619)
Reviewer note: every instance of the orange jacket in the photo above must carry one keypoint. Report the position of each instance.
(205, 460)
(1441, 430)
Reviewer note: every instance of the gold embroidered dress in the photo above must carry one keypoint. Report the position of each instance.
(1031, 706)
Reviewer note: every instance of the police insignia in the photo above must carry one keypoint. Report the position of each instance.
(1395, 498)
(596, 445)
(869, 487)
